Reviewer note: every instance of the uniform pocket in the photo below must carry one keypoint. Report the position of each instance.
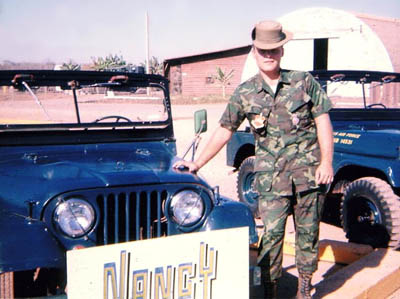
(311, 155)
(258, 119)
(299, 102)
(263, 181)
(300, 113)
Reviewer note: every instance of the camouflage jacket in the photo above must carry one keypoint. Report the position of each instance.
(287, 150)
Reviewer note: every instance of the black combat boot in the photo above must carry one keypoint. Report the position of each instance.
(304, 286)
(270, 289)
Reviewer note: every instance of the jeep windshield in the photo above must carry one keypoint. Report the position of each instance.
(86, 100)
(361, 89)
(73, 104)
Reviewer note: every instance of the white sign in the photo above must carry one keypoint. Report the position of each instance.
(203, 265)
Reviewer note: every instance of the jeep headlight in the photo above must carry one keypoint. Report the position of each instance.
(75, 217)
(187, 207)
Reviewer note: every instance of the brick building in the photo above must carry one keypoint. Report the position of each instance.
(195, 75)
(324, 39)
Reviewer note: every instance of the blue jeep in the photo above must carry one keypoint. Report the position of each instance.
(364, 197)
(85, 160)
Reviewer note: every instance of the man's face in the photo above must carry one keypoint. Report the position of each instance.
(268, 60)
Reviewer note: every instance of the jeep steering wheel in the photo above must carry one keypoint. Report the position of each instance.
(376, 104)
(116, 117)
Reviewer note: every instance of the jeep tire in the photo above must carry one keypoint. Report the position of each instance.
(370, 213)
(244, 187)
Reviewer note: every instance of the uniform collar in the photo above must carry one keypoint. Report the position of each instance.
(260, 84)
(284, 77)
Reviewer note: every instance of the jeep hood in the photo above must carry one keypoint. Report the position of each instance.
(36, 173)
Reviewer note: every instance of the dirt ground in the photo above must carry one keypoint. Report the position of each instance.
(216, 172)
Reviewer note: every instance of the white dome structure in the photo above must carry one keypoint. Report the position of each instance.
(352, 44)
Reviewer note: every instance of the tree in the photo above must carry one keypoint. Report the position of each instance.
(70, 66)
(223, 78)
(108, 63)
(155, 66)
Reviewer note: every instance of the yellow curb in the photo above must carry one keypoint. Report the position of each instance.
(334, 251)
(376, 275)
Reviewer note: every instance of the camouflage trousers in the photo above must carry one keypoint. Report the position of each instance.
(274, 210)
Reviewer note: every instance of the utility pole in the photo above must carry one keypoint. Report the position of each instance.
(147, 45)
(147, 51)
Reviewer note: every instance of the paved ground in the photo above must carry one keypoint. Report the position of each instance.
(217, 173)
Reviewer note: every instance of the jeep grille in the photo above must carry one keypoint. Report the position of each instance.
(129, 216)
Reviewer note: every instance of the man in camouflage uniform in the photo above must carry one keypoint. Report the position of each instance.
(287, 111)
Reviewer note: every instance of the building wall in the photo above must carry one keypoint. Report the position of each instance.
(388, 30)
(352, 44)
(198, 77)
(355, 42)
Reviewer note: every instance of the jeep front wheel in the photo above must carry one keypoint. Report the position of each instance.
(244, 186)
(370, 213)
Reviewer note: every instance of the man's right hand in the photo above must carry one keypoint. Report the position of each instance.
(186, 165)
(218, 139)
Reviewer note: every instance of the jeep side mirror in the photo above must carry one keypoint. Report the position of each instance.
(200, 126)
(200, 121)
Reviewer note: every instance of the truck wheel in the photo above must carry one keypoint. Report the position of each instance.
(370, 213)
(7, 285)
(244, 187)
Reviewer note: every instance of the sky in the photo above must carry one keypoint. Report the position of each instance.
(62, 30)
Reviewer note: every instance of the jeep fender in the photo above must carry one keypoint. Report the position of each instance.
(387, 167)
(231, 214)
(33, 246)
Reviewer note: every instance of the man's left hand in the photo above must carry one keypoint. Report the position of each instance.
(324, 174)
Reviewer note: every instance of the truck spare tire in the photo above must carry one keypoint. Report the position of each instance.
(245, 180)
(370, 213)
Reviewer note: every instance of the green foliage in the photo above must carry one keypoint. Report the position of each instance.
(108, 63)
(70, 66)
(223, 77)
(155, 66)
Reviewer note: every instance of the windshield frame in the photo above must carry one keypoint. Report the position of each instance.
(367, 81)
(85, 133)
(77, 80)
